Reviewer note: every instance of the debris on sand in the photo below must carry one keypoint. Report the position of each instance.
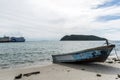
(82, 69)
(119, 62)
(109, 62)
(32, 73)
(68, 70)
(116, 78)
(18, 76)
(118, 75)
(115, 59)
(98, 75)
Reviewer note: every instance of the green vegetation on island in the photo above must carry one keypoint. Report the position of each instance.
(81, 38)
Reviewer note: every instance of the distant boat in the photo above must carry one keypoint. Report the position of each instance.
(98, 54)
(11, 39)
(4, 39)
(17, 39)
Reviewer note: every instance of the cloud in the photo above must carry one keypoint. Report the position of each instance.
(108, 18)
(109, 3)
(51, 19)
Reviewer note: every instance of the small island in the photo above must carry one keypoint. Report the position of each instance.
(81, 38)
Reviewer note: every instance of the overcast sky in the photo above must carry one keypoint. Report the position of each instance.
(52, 19)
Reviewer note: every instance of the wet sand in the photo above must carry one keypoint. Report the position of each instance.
(90, 71)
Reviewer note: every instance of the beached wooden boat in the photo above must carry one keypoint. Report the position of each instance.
(98, 54)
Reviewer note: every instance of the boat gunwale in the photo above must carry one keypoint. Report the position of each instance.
(96, 48)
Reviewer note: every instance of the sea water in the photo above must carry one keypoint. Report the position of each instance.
(23, 54)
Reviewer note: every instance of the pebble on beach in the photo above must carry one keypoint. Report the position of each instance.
(116, 78)
(109, 62)
(115, 59)
(119, 62)
(68, 70)
(98, 75)
(82, 69)
(118, 75)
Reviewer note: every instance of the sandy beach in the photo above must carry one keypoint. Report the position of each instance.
(63, 71)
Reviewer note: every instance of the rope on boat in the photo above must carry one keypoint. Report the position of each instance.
(116, 54)
(107, 42)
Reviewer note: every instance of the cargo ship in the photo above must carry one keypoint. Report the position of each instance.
(11, 39)
(17, 39)
(4, 39)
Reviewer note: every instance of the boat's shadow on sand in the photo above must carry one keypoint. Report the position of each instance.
(94, 67)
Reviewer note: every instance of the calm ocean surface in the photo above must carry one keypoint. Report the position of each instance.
(17, 55)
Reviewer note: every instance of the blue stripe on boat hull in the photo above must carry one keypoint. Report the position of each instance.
(97, 55)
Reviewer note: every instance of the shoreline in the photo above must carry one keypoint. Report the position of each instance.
(22, 66)
(62, 71)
